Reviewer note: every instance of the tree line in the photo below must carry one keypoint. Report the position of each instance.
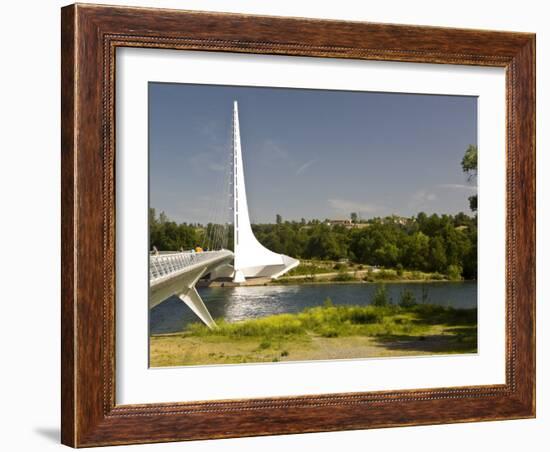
(445, 244)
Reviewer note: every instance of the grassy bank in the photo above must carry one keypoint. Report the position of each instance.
(331, 271)
(325, 332)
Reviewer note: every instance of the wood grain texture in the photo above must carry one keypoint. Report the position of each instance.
(90, 36)
(67, 226)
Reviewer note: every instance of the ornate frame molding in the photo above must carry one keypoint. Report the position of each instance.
(90, 36)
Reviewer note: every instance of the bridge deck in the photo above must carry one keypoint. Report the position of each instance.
(169, 265)
(177, 273)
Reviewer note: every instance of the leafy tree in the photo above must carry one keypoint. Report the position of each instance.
(434, 243)
(437, 254)
(473, 202)
(469, 162)
(324, 244)
(387, 255)
(167, 235)
(469, 166)
(163, 218)
(353, 217)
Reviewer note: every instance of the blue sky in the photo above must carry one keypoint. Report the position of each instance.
(309, 153)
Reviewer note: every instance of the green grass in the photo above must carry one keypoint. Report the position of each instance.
(322, 271)
(321, 332)
(344, 276)
(338, 321)
(405, 275)
(307, 269)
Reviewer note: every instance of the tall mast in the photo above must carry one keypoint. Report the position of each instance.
(251, 257)
(236, 139)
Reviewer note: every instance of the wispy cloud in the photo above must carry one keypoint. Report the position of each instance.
(208, 160)
(212, 129)
(421, 198)
(459, 186)
(304, 167)
(273, 152)
(215, 148)
(346, 205)
(216, 167)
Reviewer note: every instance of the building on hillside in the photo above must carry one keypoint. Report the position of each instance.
(348, 224)
(338, 222)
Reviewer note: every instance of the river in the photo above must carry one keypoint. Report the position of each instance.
(239, 303)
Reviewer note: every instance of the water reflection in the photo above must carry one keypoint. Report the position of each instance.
(239, 303)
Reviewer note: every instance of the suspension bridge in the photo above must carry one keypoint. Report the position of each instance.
(176, 273)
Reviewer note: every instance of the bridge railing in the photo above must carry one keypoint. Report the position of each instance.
(161, 265)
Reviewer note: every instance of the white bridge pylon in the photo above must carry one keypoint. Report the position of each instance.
(252, 259)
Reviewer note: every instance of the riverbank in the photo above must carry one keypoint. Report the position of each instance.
(324, 332)
(343, 275)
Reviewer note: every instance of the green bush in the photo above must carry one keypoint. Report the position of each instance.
(454, 272)
(399, 270)
(329, 332)
(407, 299)
(387, 275)
(264, 344)
(381, 296)
(343, 276)
(364, 316)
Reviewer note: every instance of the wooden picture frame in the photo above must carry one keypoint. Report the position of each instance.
(90, 36)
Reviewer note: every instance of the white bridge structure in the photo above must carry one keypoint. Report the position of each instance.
(252, 259)
(176, 273)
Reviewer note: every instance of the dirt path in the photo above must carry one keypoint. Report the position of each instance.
(177, 350)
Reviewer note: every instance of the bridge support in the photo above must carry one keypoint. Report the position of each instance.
(177, 273)
(193, 300)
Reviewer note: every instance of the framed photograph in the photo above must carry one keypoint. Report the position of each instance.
(281, 225)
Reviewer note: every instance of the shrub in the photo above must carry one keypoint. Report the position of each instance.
(363, 316)
(343, 276)
(264, 344)
(329, 332)
(386, 275)
(381, 296)
(399, 270)
(425, 294)
(454, 272)
(407, 299)
(369, 277)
